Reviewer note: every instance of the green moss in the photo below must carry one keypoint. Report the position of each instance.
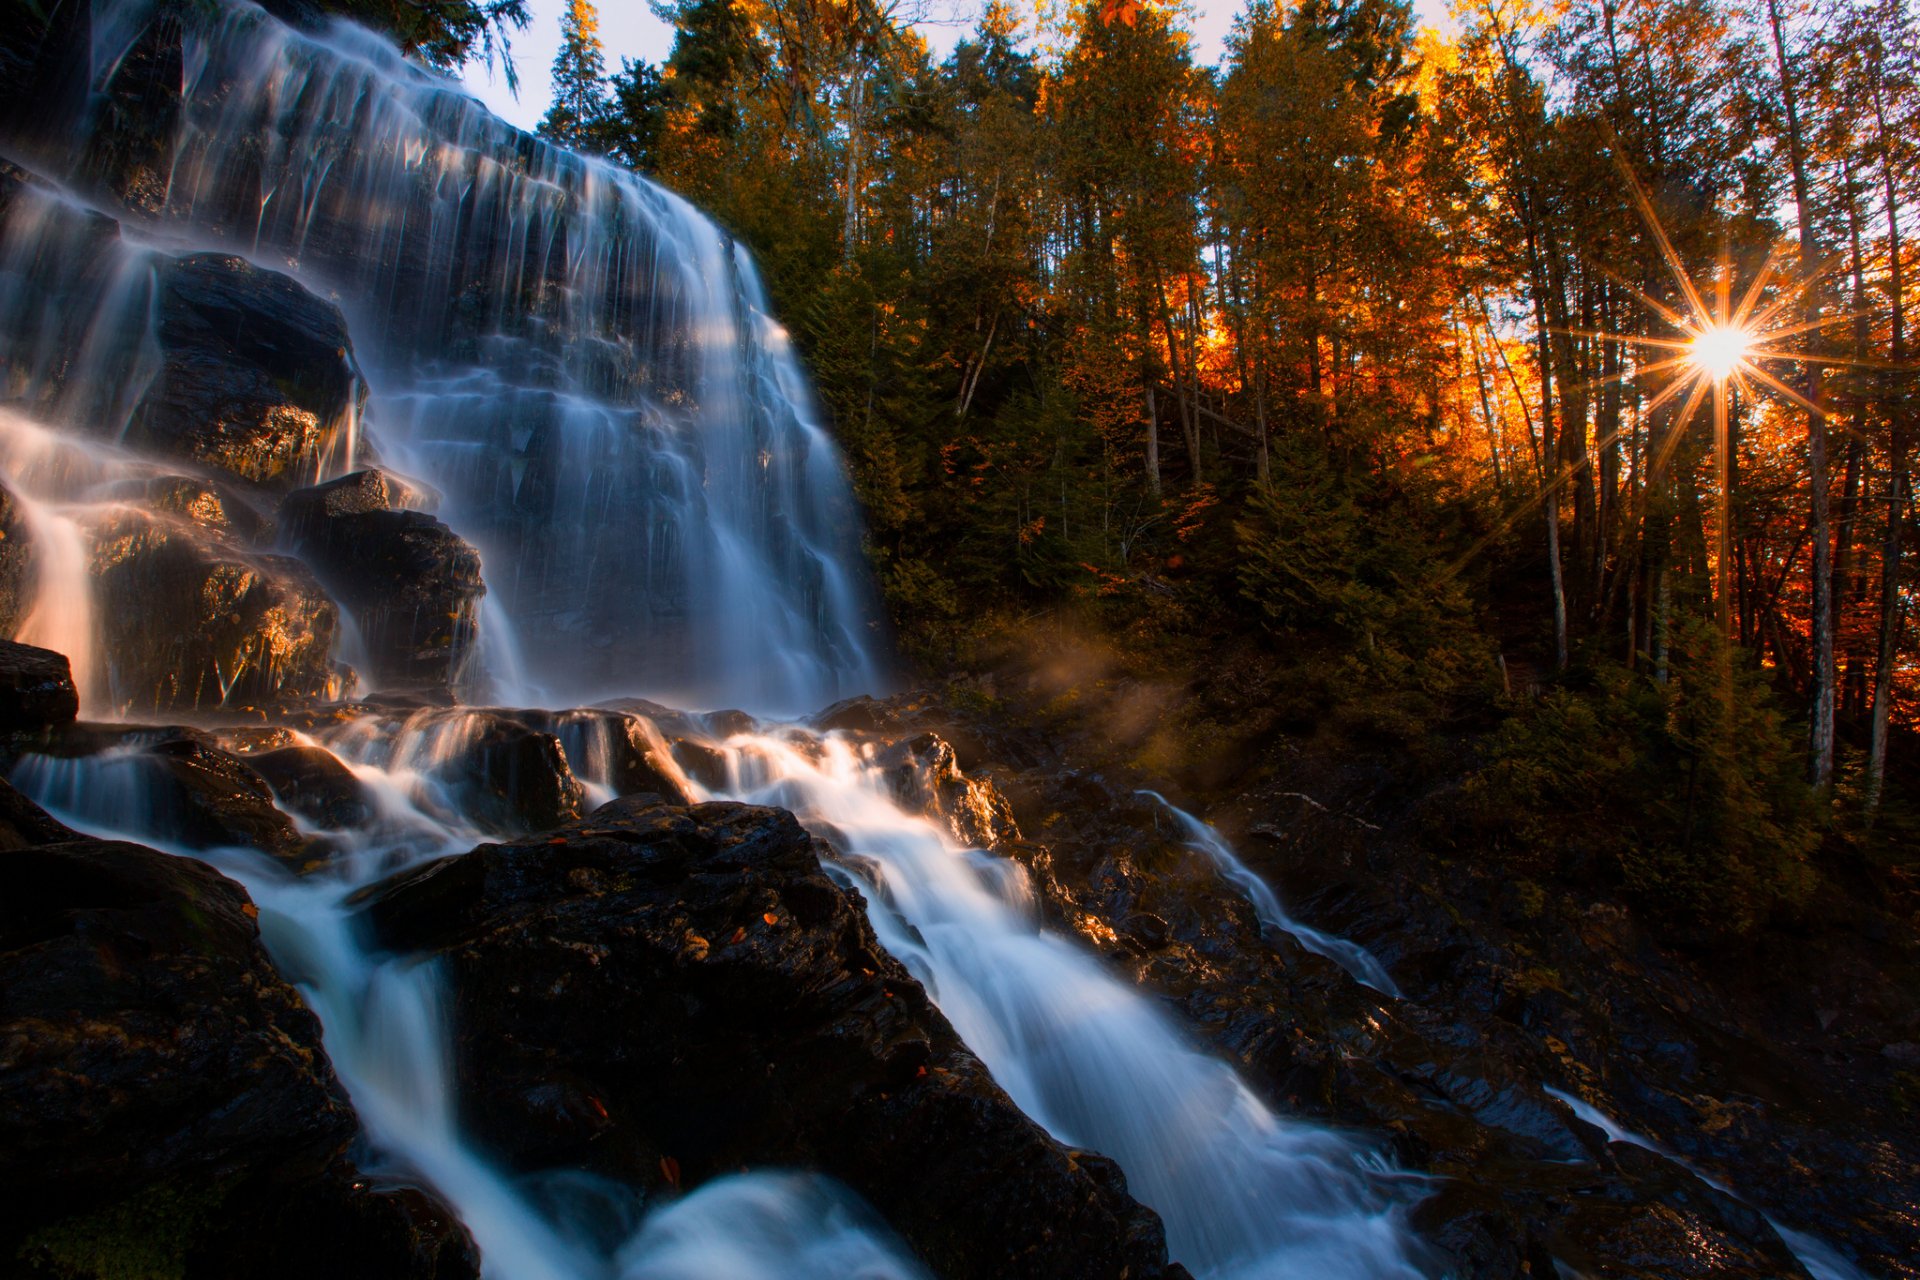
(144, 1237)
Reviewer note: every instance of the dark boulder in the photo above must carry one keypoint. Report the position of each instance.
(257, 379)
(145, 1041)
(36, 688)
(191, 622)
(169, 785)
(314, 784)
(413, 584)
(493, 768)
(621, 751)
(669, 994)
(165, 1104)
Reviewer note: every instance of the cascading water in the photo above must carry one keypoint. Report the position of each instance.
(1822, 1260)
(587, 372)
(1351, 956)
(581, 362)
(1243, 1192)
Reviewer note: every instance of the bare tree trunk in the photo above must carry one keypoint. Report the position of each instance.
(1153, 442)
(1550, 477)
(1820, 744)
(1897, 484)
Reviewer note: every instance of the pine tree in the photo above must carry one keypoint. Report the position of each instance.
(579, 80)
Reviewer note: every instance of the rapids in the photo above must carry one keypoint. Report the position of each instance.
(586, 371)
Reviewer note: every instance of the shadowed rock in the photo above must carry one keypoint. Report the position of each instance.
(670, 993)
(167, 1107)
(36, 688)
(411, 582)
(257, 380)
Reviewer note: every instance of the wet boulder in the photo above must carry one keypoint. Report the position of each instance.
(488, 765)
(191, 622)
(413, 585)
(168, 1109)
(212, 506)
(148, 1051)
(618, 750)
(667, 994)
(257, 379)
(924, 774)
(36, 688)
(169, 785)
(313, 783)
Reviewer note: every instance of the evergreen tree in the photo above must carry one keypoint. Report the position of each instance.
(579, 80)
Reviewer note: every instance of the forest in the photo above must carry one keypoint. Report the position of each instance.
(1546, 382)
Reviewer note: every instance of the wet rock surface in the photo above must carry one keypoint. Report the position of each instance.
(412, 583)
(1455, 1073)
(170, 784)
(670, 993)
(192, 622)
(257, 380)
(36, 688)
(164, 1099)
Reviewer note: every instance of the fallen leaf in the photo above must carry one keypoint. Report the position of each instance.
(771, 918)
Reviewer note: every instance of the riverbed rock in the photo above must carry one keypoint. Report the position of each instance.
(192, 622)
(670, 993)
(257, 380)
(1454, 1088)
(36, 688)
(168, 784)
(146, 1044)
(413, 585)
(623, 752)
(165, 1104)
(313, 783)
(497, 770)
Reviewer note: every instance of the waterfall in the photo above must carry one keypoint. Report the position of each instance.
(587, 371)
(1243, 1192)
(581, 362)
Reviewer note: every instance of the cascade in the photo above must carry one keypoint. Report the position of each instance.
(587, 373)
(1351, 956)
(580, 362)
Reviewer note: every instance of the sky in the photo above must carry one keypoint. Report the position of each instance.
(628, 29)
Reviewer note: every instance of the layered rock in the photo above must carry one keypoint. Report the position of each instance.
(413, 585)
(257, 379)
(670, 993)
(1456, 1073)
(190, 621)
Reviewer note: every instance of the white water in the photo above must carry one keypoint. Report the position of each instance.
(578, 360)
(1822, 1260)
(386, 1035)
(1243, 1192)
(1351, 956)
